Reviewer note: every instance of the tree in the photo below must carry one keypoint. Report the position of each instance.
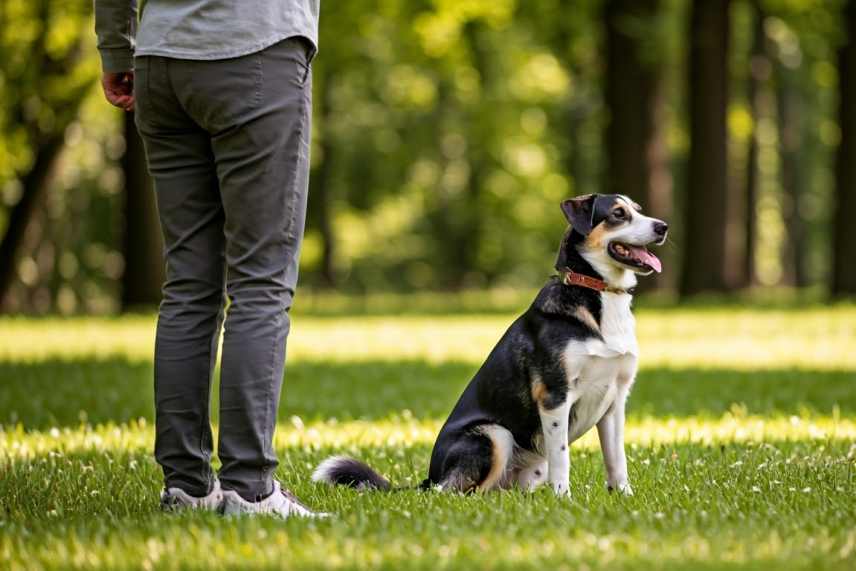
(321, 193)
(789, 107)
(43, 87)
(706, 202)
(636, 160)
(142, 242)
(843, 264)
(759, 73)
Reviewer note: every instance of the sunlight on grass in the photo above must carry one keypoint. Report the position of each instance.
(821, 338)
(406, 431)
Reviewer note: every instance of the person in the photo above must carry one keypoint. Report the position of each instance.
(221, 92)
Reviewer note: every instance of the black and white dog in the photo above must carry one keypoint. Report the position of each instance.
(563, 366)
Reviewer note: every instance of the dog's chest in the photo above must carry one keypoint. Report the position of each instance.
(617, 324)
(605, 368)
(601, 382)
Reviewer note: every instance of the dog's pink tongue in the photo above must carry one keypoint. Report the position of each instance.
(643, 255)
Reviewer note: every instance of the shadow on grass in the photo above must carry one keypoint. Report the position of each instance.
(515, 301)
(66, 393)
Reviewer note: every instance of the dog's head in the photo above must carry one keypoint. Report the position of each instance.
(610, 232)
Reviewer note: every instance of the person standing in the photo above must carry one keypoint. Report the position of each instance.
(221, 92)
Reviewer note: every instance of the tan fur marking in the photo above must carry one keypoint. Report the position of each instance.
(599, 236)
(497, 467)
(539, 391)
(596, 238)
(586, 317)
(500, 456)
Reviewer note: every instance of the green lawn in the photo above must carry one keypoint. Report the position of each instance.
(741, 442)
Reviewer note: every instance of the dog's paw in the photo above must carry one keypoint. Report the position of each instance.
(561, 489)
(623, 488)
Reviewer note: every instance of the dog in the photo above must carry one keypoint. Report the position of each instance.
(567, 364)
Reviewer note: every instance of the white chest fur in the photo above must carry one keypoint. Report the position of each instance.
(617, 330)
(617, 324)
(601, 381)
(601, 371)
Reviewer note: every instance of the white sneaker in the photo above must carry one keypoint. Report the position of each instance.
(281, 503)
(176, 499)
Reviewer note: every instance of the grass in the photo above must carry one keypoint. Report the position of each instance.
(741, 435)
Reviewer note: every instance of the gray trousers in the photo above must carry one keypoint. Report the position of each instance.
(227, 143)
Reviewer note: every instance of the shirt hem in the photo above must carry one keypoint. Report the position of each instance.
(227, 54)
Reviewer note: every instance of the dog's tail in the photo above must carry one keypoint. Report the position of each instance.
(344, 471)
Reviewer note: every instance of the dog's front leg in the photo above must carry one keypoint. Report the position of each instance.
(554, 424)
(610, 430)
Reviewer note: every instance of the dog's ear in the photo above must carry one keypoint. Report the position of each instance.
(580, 212)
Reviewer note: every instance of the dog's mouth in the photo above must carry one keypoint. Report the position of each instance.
(635, 256)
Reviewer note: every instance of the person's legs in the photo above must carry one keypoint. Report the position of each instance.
(257, 110)
(182, 166)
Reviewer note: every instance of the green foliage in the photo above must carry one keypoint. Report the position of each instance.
(53, 124)
(439, 138)
(445, 134)
(47, 65)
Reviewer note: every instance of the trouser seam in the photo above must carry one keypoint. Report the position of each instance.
(294, 190)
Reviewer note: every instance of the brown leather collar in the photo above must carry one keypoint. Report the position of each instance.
(572, 278)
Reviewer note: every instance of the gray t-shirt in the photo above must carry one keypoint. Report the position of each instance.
(198, 29)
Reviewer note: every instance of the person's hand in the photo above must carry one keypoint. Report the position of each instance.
(119, 89)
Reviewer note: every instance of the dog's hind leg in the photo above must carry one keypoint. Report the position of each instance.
(532, 474)
(502, 448)
(479, 460)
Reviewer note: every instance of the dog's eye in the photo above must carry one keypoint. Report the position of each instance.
(619, 214)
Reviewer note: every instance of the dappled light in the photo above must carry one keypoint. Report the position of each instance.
(425, 168)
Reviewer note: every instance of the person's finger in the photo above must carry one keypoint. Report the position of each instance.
(121, 89)
(119, 100)
(117, 86)
(125, 88)
(109, 94)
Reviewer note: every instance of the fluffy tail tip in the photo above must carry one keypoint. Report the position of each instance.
(344, 471)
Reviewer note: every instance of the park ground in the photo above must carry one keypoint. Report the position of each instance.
(741, 442)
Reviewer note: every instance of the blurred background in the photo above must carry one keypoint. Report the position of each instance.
(446, 132)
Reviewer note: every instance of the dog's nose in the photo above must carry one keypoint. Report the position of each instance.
(660, 228)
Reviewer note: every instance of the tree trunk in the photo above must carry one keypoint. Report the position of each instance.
(321, 192)
(759, 73)
(46, 146)
(706, 203)
(788, 117)
(33, 186)
(456, 220)
(142, 241)
(636, 161)
(843, 259)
